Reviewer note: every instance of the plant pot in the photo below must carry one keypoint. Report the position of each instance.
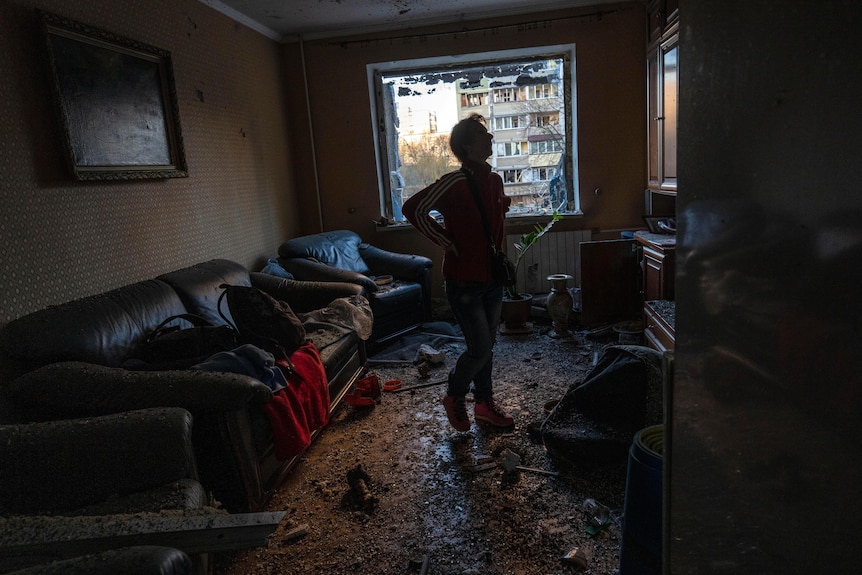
(516, 314)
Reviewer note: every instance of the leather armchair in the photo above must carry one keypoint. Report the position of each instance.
(133, 462)
(342, 256)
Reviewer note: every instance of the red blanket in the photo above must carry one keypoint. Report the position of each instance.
(301, 408)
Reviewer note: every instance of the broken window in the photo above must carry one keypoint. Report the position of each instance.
(527, 95)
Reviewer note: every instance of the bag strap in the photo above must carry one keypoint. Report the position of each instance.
(193, 319)
(475, 191)
(218, 307)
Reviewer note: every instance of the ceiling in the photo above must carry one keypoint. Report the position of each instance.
(286, 19)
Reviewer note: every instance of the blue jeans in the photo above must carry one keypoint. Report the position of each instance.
(476, 307)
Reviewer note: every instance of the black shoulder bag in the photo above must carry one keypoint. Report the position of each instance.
(502, 268)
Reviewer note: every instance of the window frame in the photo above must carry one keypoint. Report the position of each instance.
(381, 123)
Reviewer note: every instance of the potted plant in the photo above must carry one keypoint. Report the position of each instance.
(516, 305)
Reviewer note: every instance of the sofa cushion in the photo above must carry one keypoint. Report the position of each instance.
(199, 287)
(104, 329)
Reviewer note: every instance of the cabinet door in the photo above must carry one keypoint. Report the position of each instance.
(653, 119)
(658, 273)
(662, 93)
(670, 77)
(610, 275)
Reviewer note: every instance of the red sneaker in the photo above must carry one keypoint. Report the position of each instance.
(456, 411)
(490, 412)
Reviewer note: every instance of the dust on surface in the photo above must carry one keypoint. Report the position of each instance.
(444, 495)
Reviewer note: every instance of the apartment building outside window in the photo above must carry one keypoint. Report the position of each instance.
(528, 100)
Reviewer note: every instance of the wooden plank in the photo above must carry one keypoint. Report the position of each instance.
(64, 537)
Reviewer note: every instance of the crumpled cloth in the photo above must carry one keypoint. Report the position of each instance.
(300, 401)
(248, 360)
(352, 312)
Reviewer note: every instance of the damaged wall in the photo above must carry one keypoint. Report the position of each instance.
(64, 239)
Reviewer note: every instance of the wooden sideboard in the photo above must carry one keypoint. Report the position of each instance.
(658, 264)
(658, 288)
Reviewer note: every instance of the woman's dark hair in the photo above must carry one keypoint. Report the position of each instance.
(463, 133)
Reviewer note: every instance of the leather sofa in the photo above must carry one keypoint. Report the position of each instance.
(59, 477)
(66, 361)
(341, 256)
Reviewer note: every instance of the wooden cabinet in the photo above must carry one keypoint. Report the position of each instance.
(658, 250)
(658, 265)
(657, 260)
(662, 93)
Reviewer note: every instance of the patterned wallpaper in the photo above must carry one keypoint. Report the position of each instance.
(61, 239)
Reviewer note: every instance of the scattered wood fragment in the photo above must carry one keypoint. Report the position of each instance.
(419, 385)
(539, 471)
(297, 532)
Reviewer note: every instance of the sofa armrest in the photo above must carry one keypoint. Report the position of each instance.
(62, 465)
(75, 389)
(309, 270)
(304, 296)
(401, 266)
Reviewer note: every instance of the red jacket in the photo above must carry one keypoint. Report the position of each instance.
(462, 224)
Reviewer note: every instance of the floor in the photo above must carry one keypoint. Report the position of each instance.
(441, 502)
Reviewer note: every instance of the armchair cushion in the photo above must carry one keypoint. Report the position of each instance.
(338, 249)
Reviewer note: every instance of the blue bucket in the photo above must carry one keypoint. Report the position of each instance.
(640, 552)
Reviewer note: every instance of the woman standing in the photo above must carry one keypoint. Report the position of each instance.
(475, 298)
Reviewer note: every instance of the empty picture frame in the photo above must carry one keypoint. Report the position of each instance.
(116, 101)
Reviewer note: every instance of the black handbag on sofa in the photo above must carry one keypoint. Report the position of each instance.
(172, 347)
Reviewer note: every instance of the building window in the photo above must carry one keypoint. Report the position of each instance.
(542, 91)
(514, 176)
(507, 149)
(507, 95)
(546, 147)
(474, 100)
(508, 122)
(547, 120)
(544, 174)
(530, 93)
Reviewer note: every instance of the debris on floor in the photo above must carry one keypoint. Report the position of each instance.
(360, 493)
(482, 502)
